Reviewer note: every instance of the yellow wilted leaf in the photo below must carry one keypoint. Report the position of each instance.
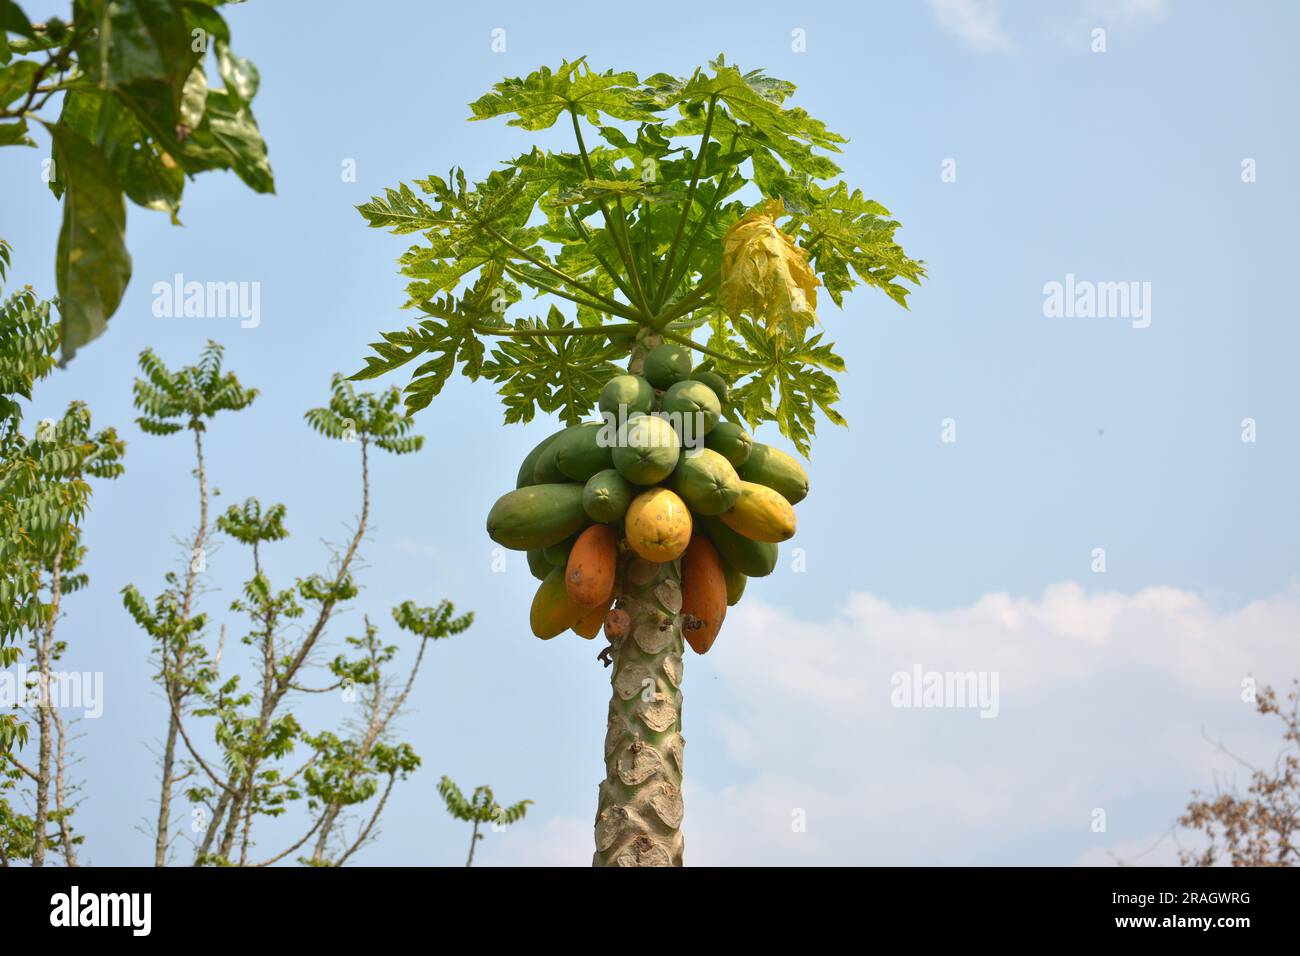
(766, 275)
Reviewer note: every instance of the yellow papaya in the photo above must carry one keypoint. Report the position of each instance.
(658, 525)
(592, 619)
(760, 514)
(553, 611)
(780, 472)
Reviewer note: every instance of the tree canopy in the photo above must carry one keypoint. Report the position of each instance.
(665, 225)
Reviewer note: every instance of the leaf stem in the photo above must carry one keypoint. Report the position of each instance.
(516, 332)
(704, 349)
(687, 303)
(629, 263)
(675, 280)
(633, 275)
(603, 306)
(609, 269)
(614, 304)
(690, 198)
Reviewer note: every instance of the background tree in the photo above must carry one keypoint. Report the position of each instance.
(349, 769)
(1261, 827)
(136, 118)
(481, 808)
(44, 495)
(170, 402)
(242, 772)
(28, 341)
(662, 229)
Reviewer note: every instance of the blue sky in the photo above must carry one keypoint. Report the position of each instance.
(1072, 433)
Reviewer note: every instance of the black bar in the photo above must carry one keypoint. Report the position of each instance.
(350, 905)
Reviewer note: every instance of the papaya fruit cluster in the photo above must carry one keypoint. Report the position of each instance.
(663, 475)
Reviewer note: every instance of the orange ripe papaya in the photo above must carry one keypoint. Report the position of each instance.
(704, 593)
(593, 560)
(658, 525)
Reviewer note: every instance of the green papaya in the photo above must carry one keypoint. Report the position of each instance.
(735, 584)
(557, 555)
(580, 451)
(627, 395)
(538, 566)
(705, 481)
(667, 364)
(545, 469)
(697, 405)
(606, 496)
(525, 477)
(774, 468)
(647, 450)
(717, 384)
(537, 516)
(755, 559)
(731, 441)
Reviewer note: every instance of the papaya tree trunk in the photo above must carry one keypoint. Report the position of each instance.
(639, 816)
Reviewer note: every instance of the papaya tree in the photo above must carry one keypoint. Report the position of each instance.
(679, 248)
(186, 399)
(235, 735)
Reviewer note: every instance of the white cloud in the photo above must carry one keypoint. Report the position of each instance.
(976, 22)
(1104, 701)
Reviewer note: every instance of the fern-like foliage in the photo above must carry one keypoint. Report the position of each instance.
(169, 401)
(372, 418)
(44, 476)
(481, 806)
(249, 524)
(432, 623)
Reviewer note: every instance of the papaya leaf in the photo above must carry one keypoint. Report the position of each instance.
(789, 380)
(752, 98)
(846, 231)
(450, 334)
(550, 373)
(538, 99)
(765, 275)
(401, 211)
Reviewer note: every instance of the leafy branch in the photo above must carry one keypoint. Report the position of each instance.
(616, 229)
(137, 119)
